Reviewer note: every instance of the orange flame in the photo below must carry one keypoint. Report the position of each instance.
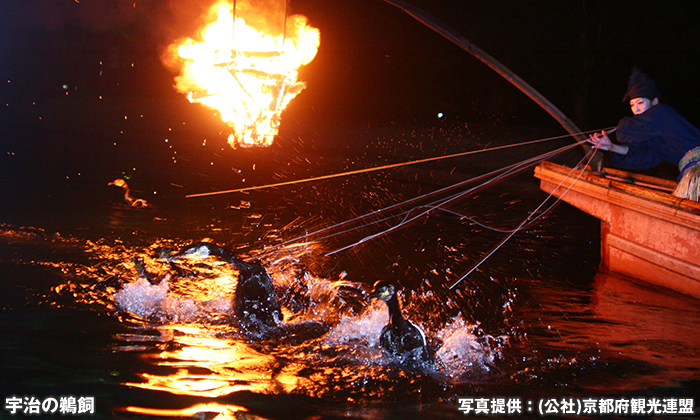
(248, 76)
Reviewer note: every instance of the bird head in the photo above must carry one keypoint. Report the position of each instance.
(119, 182)
(383, 290)
(199, 251)
(164, 253)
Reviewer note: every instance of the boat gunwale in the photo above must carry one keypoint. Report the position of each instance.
(634, 197)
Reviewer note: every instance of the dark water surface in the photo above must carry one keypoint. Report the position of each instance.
(535, 321)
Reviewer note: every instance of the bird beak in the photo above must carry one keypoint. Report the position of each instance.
(377, 294)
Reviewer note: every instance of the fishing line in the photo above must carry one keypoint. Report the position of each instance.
(481, 224)
(513, 169)
(434, 206)
(507, 171)
(380, 168)
(383, 210)
(588, 159)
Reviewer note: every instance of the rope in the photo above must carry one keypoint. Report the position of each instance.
(505, 171)
(512, 170)
(284, 24)
(588, 157)
(380, 168)
(233, 28)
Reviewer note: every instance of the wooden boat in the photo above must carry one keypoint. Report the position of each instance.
(646, 233)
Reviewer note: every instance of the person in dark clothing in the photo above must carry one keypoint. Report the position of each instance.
(656, 133)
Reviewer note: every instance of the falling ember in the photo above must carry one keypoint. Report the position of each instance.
(248, 74)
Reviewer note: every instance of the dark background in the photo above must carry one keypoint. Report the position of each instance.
(86, 96)
(376, 62)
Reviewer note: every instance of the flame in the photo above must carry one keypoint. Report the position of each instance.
(247, 75)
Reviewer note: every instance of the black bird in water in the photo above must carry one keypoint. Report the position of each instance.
(400, 337)
(256, 304)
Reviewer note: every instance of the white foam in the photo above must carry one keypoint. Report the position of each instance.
(155, 302)
(461, 349)
(142, 298)
(365, 327)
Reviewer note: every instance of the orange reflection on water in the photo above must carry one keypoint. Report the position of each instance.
(646, 321)
(224, 411)
(207, 366)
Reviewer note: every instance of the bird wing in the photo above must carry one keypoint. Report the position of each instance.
(413, 337)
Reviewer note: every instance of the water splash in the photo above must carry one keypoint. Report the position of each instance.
(183, 322)
(462, 350)
(156, 302)
(365, 328)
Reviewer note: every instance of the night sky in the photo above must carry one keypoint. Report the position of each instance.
(376, 62)
(87, 77)
(577, 53)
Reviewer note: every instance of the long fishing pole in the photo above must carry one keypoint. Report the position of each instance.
(457, 38)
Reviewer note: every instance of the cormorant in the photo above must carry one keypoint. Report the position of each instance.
(133, 202)
(256, 303)
(400, 337)
(141, 269)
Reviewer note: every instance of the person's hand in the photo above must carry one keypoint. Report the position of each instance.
(600, 141)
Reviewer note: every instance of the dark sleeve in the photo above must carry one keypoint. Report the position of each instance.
(642, 155)
(642, 134)
(679, 136)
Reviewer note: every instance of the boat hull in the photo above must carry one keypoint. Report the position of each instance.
(646, 234)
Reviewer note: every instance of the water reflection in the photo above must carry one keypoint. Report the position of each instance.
(206, 360)
(617, 336)
(651, 325)
(207, 366)
(505, 335)
(221, 411)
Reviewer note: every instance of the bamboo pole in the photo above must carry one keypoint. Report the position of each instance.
(504, 71)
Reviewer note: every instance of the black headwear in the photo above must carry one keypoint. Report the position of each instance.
(640, 85)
